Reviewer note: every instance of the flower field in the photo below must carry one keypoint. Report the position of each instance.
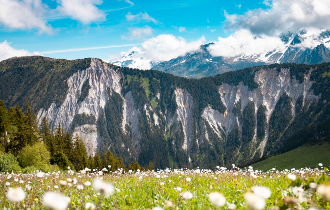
(168, 189)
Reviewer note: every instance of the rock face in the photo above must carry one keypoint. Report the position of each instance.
(100, 77)
(236, 117)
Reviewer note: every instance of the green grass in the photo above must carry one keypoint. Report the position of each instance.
(147, 190)
(304, 156)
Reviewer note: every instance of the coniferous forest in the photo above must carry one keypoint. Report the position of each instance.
(26, 148)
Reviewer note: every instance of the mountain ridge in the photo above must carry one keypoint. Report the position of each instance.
(235, 117)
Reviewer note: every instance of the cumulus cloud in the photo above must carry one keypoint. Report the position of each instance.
(164, 47)
(140, 16)
(84, 11)
(24, 14)
(243, 42)
(7, 51)
(138, 33)
(282, 16)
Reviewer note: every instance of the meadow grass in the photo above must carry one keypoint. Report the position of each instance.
(304, 156)
(147, 190)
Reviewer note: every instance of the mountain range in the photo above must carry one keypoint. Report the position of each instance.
(236, 117)
(304, 47)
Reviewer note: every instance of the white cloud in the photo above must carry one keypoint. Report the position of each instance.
(243, 42)
(25, 14)
(282, 16)
(7, 51)
(140, 16)
(182, 29)
(138, 33)
(84, 11)
(164, 47)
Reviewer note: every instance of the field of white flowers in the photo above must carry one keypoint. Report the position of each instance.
(168, 189)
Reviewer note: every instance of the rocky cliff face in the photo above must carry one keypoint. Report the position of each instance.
(236, 117)
(100, 77)
(271, 86)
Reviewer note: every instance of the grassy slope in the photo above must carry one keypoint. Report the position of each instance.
(304, 156)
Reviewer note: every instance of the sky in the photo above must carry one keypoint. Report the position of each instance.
(162, 30)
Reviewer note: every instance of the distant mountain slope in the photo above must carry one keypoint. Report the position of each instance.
(301, 157)
(300, 48)
(151, 116)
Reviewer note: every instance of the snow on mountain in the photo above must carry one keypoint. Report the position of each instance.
(305, 47)
(134, 58)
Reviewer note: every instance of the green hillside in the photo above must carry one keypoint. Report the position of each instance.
(301, 157)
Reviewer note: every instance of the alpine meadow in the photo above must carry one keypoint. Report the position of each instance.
(163, 105)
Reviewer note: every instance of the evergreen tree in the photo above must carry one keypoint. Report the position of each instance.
(19, 138)
(97, 161)
(80, 158)
(68, 148)
(134, 166)
(46, 133)
(31, 126)
(4, 125)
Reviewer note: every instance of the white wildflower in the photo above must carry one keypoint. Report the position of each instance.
(16, 194)
(254, 201)
(88, 183)
(56, 201)
(103, 187)
(292, 177)
(90, 206)
(217, 199)
(187, 195)
(263, 192)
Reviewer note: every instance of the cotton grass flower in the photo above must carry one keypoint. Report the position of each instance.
(90, 206)
(263, 192)
(157, 208)
(15, 194)
(292, 177)
(324, 191)
(103, 187)
(88, 183)
(187, 195)
(217, 199)
(254, 201)
(55, 201)
(40, 174)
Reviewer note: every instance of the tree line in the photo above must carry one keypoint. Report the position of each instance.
(24, 146)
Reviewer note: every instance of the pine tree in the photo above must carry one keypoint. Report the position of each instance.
(31, 126)
(4, 125)
(80, 158)
(97, 161)
(134, 166)
(18, 139)
(59, 139)
(46, 133)
(68, 149)
(104, 160)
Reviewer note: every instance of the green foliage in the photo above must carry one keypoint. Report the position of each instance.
(79, 157)
(82, 119)
(134, 166)
(38, 80)
(84, 91)
(61, 160)
(36, 156)
(8, 162)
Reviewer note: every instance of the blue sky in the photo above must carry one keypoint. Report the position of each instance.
(74, 29)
